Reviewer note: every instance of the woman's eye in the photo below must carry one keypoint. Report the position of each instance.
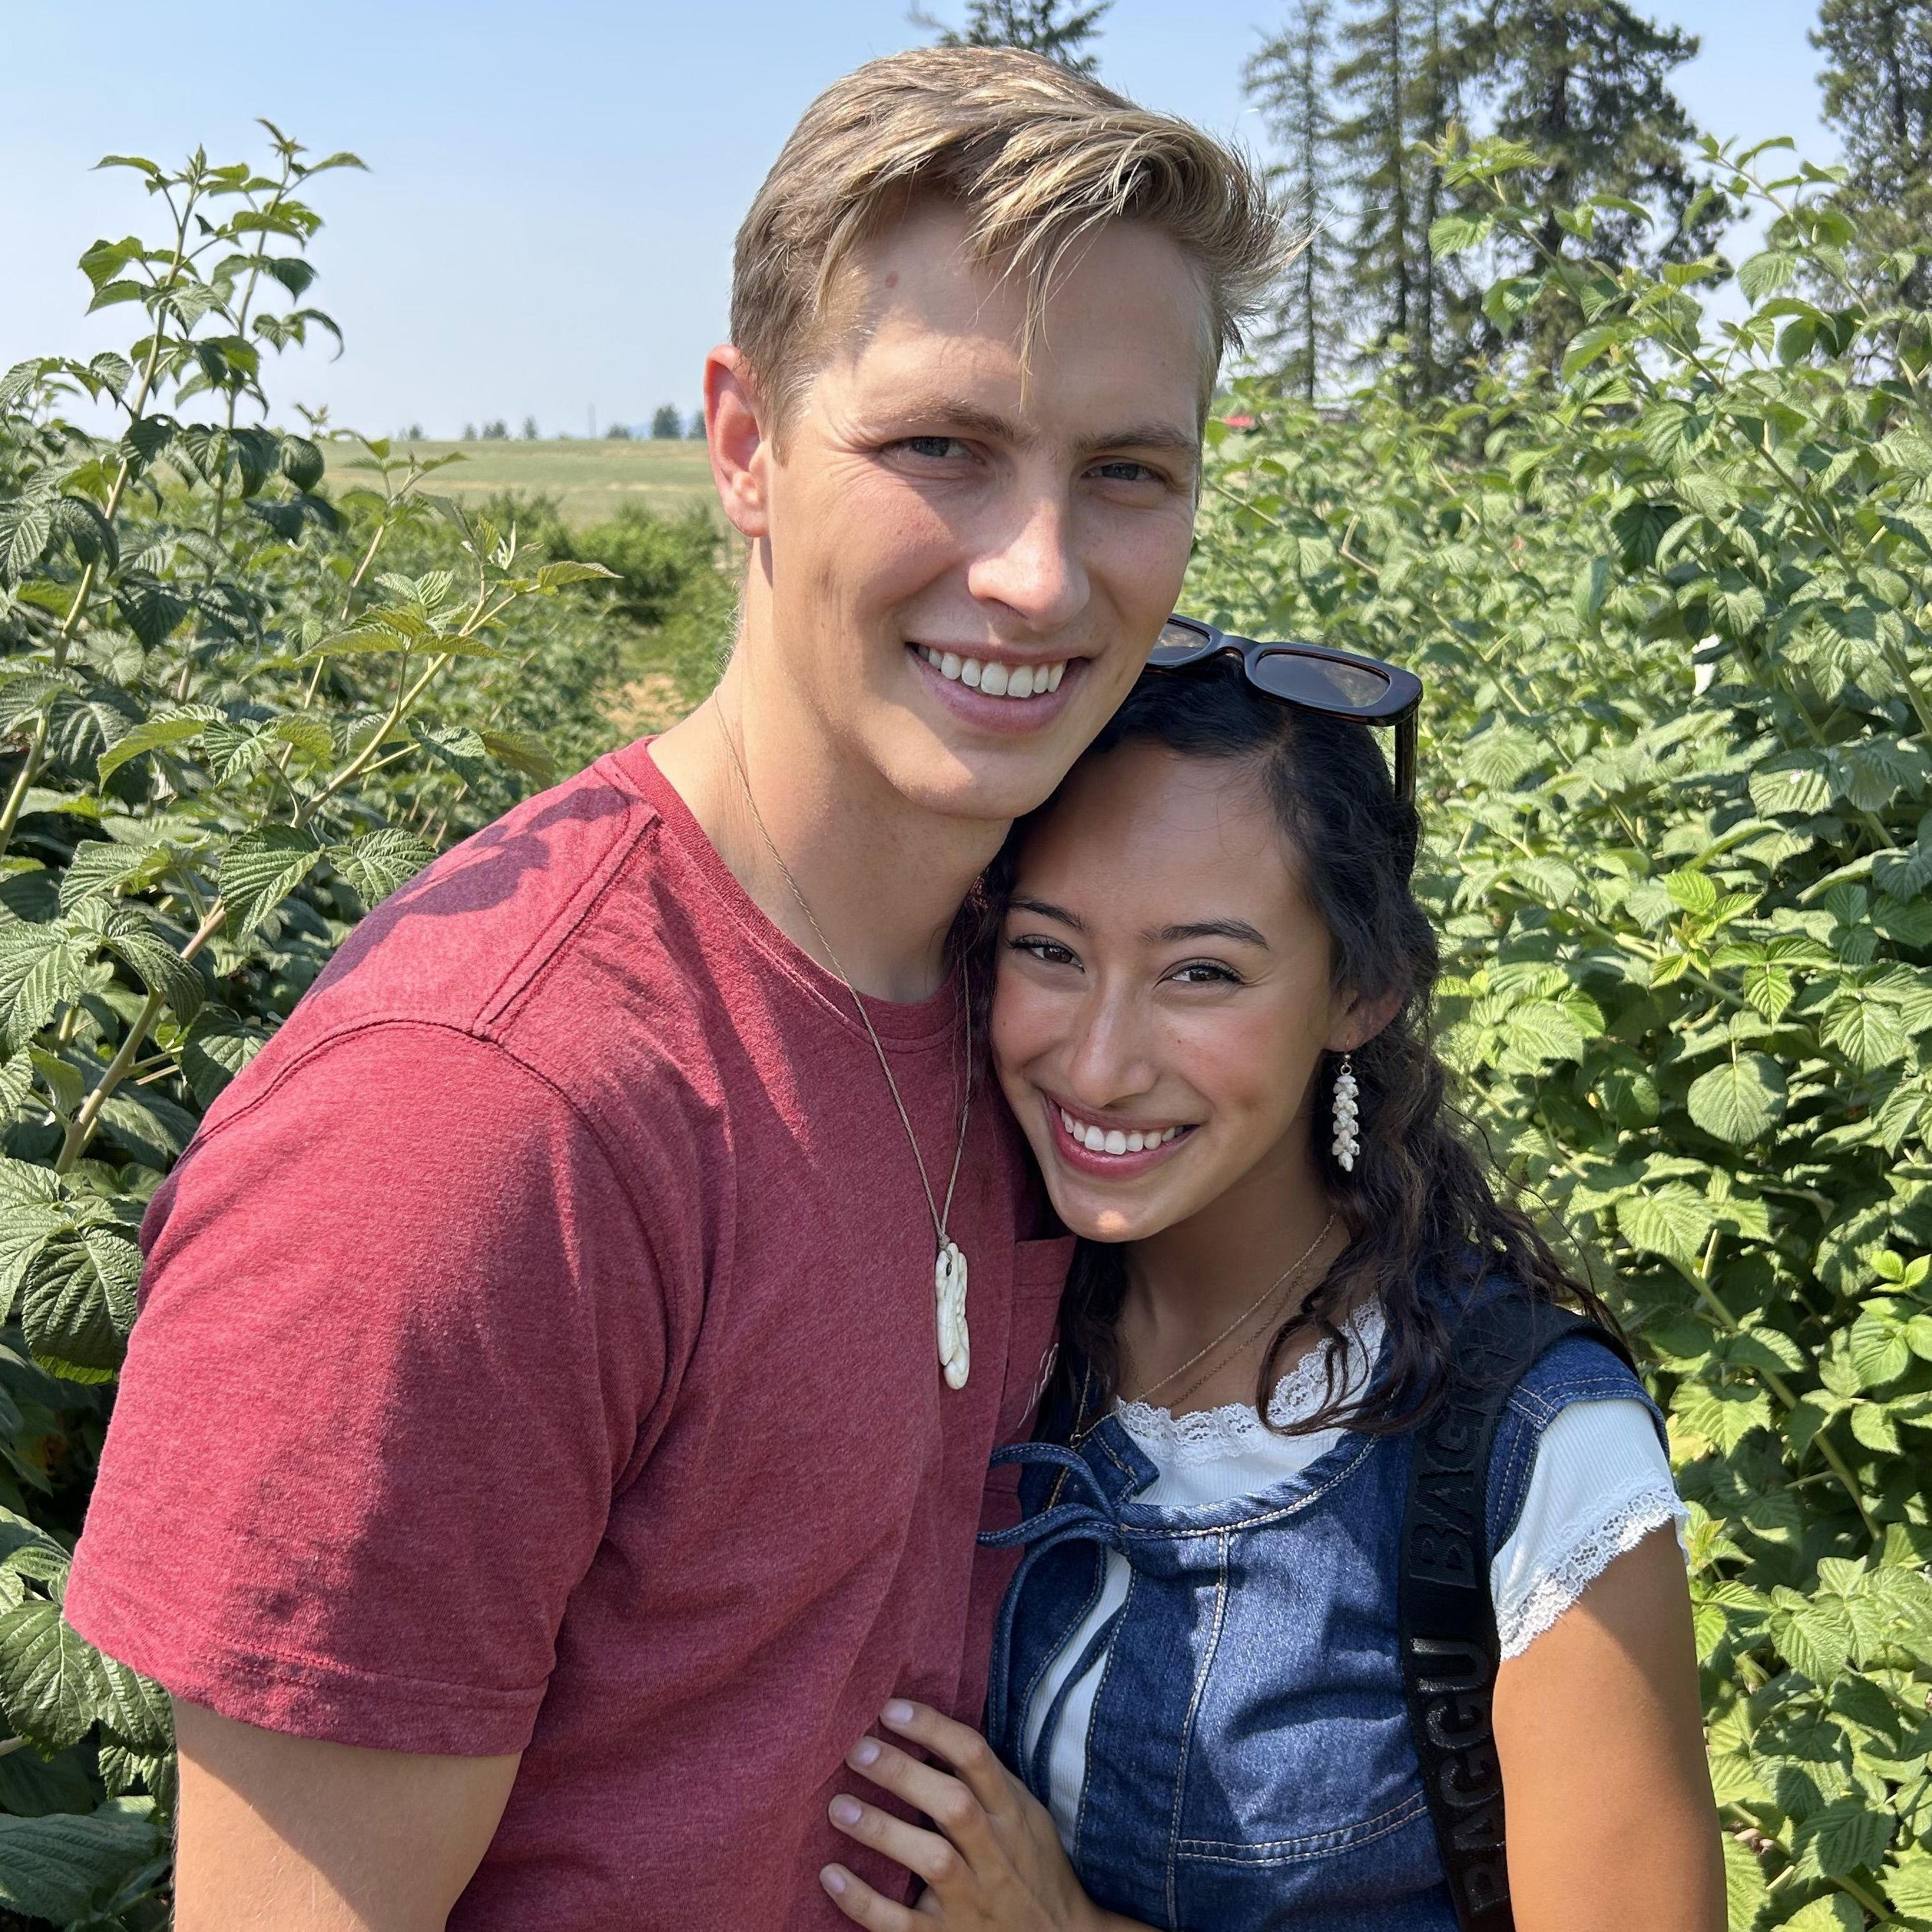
(1206, 973)
(1051, 952)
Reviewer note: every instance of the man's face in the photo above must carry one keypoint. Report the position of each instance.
(943, 534)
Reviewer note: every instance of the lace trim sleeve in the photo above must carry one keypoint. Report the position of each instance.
(1601, 1484)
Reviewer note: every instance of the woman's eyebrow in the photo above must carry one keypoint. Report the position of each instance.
(1044, 909)
(1206, 928)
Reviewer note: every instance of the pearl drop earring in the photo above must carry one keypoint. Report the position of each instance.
(1347, 1142)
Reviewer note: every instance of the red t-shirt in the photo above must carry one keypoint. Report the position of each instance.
(538, 1353)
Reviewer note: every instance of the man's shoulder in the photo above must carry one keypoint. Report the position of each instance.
(461, 942)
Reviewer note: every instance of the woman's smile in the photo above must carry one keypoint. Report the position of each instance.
(1110, 1150)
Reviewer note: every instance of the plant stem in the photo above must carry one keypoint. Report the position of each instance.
(80, 1130)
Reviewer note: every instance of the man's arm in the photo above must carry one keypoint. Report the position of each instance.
(302, 1835)
(1611, 1821)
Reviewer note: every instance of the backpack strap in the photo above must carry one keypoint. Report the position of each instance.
(1446, 1621)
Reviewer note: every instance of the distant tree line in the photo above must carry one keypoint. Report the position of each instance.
(667, 422)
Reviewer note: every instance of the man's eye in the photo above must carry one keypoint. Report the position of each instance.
(935, 448)
(1122, 471)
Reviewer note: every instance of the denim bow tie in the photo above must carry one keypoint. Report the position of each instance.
(1079, 1520)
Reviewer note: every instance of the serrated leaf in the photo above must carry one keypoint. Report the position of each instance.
(377, 863)
(58, 1866)
(1745, 1887)
(173, 728)
(1849, 1835)
(260, 870)
(1673, 1219)
(219, 1044)
(50, 1675)
(78, 1300)
(1739, 1100)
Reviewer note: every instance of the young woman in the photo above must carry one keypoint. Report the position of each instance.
(1211, 1019)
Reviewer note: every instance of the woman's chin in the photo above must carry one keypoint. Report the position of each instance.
(1110, 1222)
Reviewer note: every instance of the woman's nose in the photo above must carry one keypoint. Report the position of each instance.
(1108, 1064)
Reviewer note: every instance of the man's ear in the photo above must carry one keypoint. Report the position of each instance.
(741, 453)
(1361, 1020)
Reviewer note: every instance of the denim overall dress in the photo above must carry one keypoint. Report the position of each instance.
(1249, 1766)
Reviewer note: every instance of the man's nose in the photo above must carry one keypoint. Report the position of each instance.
(1033, 566)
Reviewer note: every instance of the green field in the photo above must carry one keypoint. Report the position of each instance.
(590, 481)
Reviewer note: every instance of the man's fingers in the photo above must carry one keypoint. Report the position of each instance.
(944, 1799)
(863, 1905)
(957, 1745)
(925, 1854)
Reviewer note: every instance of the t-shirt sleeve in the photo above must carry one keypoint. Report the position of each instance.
(1600, 1483)
(400, 1340)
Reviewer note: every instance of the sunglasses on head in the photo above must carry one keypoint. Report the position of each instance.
(1336, 683)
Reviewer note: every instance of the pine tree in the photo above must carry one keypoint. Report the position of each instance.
(1586, 83)
(1287, 79)
(1878, 95)
(1400, 75)
(668, 422)
(1050, 27)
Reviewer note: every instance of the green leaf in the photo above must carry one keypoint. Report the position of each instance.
(219, 1044)
(1541, 1030)
(50, 1683)
(260, 870)
(173, 728)
(57, 1866)
(1745, 1888)
(377, 863)
(78, 1302)
(1865, 1032)
(1739, 1099)
(1849, 1835)
(1673, 1219)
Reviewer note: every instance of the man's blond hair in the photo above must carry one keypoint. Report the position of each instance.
(1037, 157)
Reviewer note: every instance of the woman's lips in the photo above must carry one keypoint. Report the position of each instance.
(1084, 1159)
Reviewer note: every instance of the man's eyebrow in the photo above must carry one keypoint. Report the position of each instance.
(1044, 909)
(1208, 929)
(958, 413)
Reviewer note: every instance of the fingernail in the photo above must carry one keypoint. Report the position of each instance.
(866, 1751)
(833, 1880)
(845, 1811)
(897, 1712)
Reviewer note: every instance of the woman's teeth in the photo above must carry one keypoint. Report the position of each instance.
(1111, 1140)
(996, 680)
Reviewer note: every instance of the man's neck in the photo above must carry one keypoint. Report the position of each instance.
(883, 879)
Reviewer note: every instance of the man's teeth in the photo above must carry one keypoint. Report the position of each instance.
(1111, 1140)
(997, 680)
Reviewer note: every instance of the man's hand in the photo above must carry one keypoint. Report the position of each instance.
(998, 1867)
(304, 1836)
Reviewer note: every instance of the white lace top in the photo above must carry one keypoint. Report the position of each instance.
(1600, 1484)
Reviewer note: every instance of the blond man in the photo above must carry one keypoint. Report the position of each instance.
(559, 1415)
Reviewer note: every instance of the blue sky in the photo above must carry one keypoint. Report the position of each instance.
(547, 228)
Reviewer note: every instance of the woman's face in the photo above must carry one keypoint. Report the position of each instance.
(1163, 996)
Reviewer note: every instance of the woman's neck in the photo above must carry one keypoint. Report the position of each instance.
(1186, 1283)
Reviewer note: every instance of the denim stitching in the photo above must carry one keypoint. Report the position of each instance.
(1182, 1533)
(1187, 1731)
(1020, 1713)
(1299, 1851)
(1093, 1709)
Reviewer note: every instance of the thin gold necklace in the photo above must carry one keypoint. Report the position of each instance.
(1254, 1307)
(949, 1271)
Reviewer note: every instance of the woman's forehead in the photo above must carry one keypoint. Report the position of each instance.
(1142, 822)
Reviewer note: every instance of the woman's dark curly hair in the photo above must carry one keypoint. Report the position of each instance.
(1420, 1204)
